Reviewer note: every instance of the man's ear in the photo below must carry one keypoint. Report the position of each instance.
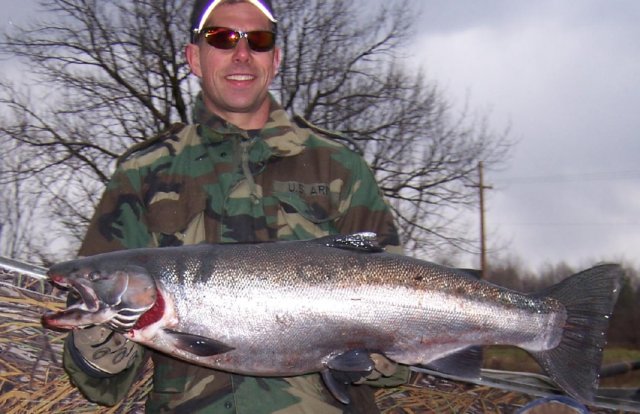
(276, 60)
(192, 53)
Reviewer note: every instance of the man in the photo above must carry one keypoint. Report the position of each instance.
(244, 172)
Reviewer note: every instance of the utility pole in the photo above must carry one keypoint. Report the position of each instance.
(483, 247)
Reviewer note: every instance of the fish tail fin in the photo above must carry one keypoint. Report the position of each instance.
(588, 297)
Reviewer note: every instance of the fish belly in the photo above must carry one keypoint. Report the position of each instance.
(294, 330)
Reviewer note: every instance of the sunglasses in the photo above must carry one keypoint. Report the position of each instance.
(225, 38)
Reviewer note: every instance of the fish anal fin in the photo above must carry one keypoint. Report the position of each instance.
(365, 242)
(465, 363)
(196, 344)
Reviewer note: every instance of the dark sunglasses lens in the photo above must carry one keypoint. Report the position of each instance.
(261, 40)
(222, 38)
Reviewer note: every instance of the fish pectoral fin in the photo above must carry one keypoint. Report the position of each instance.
(351, 361)
(344, 369)
(465, 363)
(336, 386)
(196, 344)
(365, 242)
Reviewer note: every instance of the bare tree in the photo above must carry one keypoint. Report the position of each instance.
(115, 75)
(341, 72)
(20, 208)
(109, 74)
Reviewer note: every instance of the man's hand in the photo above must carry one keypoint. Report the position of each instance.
(383, 367)
(384, 373)
(101, 351)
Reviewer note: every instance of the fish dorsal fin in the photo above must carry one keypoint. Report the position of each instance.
(366, 242)
(196, 344)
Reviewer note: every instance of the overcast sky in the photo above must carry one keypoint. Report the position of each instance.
(565, 75)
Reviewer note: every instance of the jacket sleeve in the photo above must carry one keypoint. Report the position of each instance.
(367, 208)
(118, 223)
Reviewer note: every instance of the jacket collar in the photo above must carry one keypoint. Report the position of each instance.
(280, 135)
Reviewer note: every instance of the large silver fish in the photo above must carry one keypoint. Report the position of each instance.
(289, 308)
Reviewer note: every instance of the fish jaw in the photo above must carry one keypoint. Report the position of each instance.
(76, 317)
(89, 310)
(115, 298)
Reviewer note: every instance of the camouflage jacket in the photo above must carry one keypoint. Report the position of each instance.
(212, 182)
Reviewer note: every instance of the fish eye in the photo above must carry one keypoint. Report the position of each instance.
(94, 275)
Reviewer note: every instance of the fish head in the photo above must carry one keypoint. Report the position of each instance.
(101, 293)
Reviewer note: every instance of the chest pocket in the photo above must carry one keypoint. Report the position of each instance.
(307, 210)
(177, 217)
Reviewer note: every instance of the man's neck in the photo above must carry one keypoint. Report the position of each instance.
(246, 120)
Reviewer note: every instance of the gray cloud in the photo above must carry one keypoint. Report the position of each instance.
(566, 75)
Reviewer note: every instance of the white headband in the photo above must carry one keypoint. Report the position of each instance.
(215, 3)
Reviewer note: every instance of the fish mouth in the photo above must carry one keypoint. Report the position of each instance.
(79, 313)
(88, 298)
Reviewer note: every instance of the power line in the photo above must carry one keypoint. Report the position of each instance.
(570, 224)
(572, 177)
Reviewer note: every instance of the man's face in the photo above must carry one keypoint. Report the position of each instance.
(235, 82)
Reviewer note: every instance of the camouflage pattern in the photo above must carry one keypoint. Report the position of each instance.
(212, 182)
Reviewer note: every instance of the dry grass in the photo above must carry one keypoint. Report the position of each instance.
(31, 376)
(429, 394)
